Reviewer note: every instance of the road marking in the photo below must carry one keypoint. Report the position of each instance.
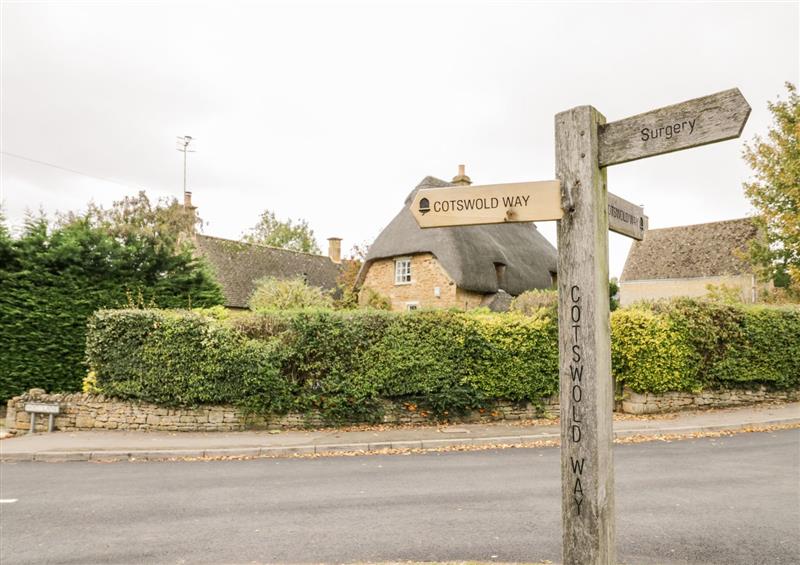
(8, 500)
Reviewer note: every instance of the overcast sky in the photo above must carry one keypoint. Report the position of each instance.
(334, 112)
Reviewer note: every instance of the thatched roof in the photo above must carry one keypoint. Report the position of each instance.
(239, 265)
(700, 250)
(469, 253)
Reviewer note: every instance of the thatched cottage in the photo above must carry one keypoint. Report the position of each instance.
(684, 260)
(455, 267)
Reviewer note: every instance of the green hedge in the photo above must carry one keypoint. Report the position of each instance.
(183, 358)
(346, 364)
(53, 279)
(688, 345)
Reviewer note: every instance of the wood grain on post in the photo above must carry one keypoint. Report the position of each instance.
(701, 121)
(587, 473)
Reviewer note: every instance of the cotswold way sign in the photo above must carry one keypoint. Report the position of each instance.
(585, 146)
(513, 202)
(625, 218)
(488, 204)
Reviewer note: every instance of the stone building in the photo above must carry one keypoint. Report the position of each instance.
(684, 260)
(238, 266)
(455, 267)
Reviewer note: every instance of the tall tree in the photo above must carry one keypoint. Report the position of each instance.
(775, 191)
(53, 276)
(287, 235)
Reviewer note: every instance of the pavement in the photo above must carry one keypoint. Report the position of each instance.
(111, 445)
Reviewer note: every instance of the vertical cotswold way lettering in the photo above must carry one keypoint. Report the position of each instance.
(576, 394)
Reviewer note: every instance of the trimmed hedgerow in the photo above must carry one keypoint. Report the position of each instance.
(344, 364)
(324, 357)
(650, 354)
(347, 364)
(688, 344)
(183, 358)
(517, 358)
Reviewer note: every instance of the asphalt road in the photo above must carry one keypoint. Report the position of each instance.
(733, 500)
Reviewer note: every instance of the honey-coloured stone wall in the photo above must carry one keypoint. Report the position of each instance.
(81, 412)
(427, 275)
(648, 403)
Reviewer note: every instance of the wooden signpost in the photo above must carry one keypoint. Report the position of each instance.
(585, 146)
(693, 123)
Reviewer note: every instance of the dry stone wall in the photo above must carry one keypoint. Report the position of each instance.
(649, 403)
(82, 412)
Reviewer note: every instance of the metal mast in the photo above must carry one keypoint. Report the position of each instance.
(183, 146)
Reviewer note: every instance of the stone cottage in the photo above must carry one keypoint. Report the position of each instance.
(455, 267)
(684, 260)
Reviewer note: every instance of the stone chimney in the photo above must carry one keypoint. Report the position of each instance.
(187, 201)
(335, 249)
(187, 204)
(461, 179)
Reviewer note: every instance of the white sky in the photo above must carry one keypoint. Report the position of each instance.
(333, 112)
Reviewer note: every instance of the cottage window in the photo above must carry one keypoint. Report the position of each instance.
(402, 270)
(412, 305)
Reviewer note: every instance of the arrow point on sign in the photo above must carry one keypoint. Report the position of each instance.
(742, 102)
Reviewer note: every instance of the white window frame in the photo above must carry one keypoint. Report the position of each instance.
(402, 276)
(412, 306)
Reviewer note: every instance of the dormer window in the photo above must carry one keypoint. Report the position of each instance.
(402, 270)
(500, 275)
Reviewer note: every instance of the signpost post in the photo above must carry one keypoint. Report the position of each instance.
(585, 146)
(586, 391)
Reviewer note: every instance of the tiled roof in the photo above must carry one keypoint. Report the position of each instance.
(239, 265)
(700, 250)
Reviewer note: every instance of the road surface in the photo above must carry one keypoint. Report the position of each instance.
(730, 500)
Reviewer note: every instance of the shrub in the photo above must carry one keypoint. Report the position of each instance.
(181, 358)
(532, 302)
(325, 357)
(649, 353)
(288, 294)
(371, 298)
(726, 294)
(425, 358)
(517, 357)
(766, 351)
(686, 344)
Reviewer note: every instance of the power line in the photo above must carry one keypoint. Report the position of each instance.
(46, 164)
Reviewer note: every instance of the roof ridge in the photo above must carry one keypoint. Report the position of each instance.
(684, 226)
(263, 246)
